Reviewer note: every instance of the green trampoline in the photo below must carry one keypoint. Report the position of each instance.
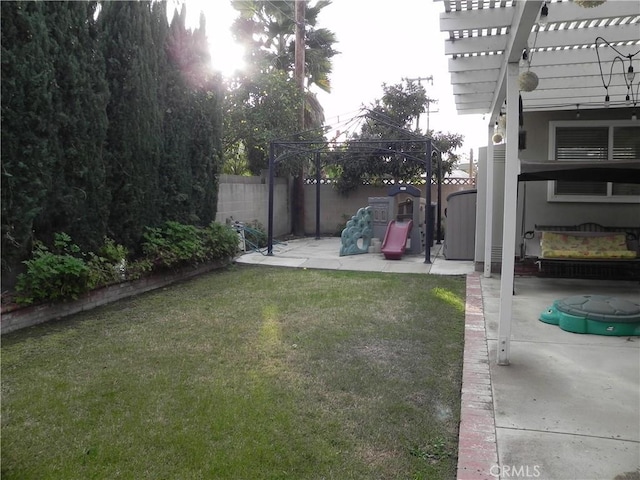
(594, 314)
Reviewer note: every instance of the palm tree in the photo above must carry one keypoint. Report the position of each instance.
(267, 29)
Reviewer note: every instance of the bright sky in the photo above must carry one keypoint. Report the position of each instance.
(380, 42)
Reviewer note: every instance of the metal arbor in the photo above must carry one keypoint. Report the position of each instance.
(420, 150)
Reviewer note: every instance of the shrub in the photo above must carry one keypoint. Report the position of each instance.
(173, 245)
(65, 272)
(109, 265)
(220, 241)
(53, 275)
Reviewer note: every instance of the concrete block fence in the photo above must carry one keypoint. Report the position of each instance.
(246, 199)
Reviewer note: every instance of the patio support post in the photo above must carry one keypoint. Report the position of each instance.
(439, 234)
(488, 226)
(427, 213)
(509, 218)
(318, 178)
(272, 162)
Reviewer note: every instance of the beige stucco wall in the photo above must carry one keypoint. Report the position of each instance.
(538, 210)
(533, 207)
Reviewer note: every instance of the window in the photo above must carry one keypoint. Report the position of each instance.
(596, 142)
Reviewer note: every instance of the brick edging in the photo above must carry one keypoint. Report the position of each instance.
(36, 314)
(477, 447)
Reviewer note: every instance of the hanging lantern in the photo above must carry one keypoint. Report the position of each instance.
(528, 81)
(588, 3)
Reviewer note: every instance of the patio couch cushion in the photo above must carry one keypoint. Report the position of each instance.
(587, 245)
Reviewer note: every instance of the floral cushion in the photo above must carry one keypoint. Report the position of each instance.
(565, 245)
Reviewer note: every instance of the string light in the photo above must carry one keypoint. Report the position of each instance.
(628, 74)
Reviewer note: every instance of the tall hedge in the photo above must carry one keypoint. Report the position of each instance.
(194, 115)
(111, 122)
(77, 197)
(28, 156)
(134, 135)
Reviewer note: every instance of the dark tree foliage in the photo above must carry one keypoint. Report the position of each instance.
(193, 115)
(134, 136)
(258, 110)
(111, 122)
(267, 29)
(401, 154)
(77, 198)
(264, 101)
(28, 79)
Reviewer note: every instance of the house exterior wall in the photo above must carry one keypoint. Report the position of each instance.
(539, 211)
(533, 207)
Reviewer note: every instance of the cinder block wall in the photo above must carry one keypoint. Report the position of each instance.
(333, 206)
(247, 199)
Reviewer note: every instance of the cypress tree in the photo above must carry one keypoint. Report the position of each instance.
(175, 171)
(77, 202)
(206, 152)
(193, 126)
(28, 79)
(134, 136)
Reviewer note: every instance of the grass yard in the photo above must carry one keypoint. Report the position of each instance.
(246, 373)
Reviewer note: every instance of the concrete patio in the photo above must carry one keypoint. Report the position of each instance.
(568, 405)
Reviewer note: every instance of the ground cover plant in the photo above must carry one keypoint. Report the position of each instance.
(245, 373)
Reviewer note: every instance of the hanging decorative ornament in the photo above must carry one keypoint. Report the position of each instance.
(588, 3)
(498, 134)
(528, 81)
(502, 123)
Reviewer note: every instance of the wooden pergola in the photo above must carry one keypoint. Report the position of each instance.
(586, 55)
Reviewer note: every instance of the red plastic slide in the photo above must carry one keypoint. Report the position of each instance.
(395, 239)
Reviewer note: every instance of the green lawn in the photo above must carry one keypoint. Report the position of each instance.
(246, 373)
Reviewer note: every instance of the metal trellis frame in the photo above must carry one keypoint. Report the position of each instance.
(317, 148)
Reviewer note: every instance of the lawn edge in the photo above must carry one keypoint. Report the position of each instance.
(477, 443)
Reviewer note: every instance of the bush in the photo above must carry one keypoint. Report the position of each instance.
(220, 241)
(53, 275)
(109, 265)
(65, 272)
(173, 245)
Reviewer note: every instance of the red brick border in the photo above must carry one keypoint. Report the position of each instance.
(18, 318)
(477, 448)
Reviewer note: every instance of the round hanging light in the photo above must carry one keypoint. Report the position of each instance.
(528, 81)
(588, 3)
(497, 137)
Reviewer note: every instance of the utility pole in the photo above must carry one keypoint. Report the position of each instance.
(299, 54)
(429, 100)
(298, 183)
